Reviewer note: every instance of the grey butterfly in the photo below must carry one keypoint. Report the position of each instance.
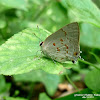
(63, 45)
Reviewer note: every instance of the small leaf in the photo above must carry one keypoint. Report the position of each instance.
(92, 80)
(40, 76)
(22, 53)
(43, 96)
(84, 10)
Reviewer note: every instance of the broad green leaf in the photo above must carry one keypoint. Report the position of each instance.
(12, 98)
(21, 54)
(90, 36)
(40, 76)
(77, 95)
(19, 4)
(43, 96)
(92, 80)
(84, 10)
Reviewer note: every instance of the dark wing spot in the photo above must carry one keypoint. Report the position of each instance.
(75, 53)
(58, 49)
(54, 44)
(66, 46)
(61, 40)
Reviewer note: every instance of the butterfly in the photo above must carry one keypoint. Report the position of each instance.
(63, 45)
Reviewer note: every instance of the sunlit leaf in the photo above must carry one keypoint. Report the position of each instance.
(21, 54)
(84, 10)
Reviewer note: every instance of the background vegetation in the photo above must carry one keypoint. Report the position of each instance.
(25, 75)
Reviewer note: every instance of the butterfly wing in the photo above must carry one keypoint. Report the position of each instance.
(63, 45)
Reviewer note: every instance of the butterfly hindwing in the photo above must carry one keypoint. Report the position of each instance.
(63, 45)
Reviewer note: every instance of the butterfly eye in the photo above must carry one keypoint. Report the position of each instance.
(41, 43)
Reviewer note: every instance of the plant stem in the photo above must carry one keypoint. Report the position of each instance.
(86, 62)
(71, 82)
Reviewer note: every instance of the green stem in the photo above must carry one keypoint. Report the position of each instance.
(71, 82)
(86, 62)
(96, 57)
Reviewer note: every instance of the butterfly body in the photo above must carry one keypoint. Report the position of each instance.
(63, 45)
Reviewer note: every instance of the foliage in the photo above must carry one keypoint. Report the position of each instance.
(24, 24)
(40, 76)
(75, 95)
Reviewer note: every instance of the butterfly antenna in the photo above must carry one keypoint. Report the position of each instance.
(37, 36)
(40, 35)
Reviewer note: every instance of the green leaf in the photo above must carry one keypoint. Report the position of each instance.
(19, 4)
(75, 96)
(92, 80)
(21, 54)
(43, 96)
(4, 87)
(12, 98)
(90, 36)
(84, 10)
(40, 76)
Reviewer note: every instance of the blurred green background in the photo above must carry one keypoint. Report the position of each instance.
(16, 15)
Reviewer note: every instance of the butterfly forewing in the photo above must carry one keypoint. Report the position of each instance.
(63, 45)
